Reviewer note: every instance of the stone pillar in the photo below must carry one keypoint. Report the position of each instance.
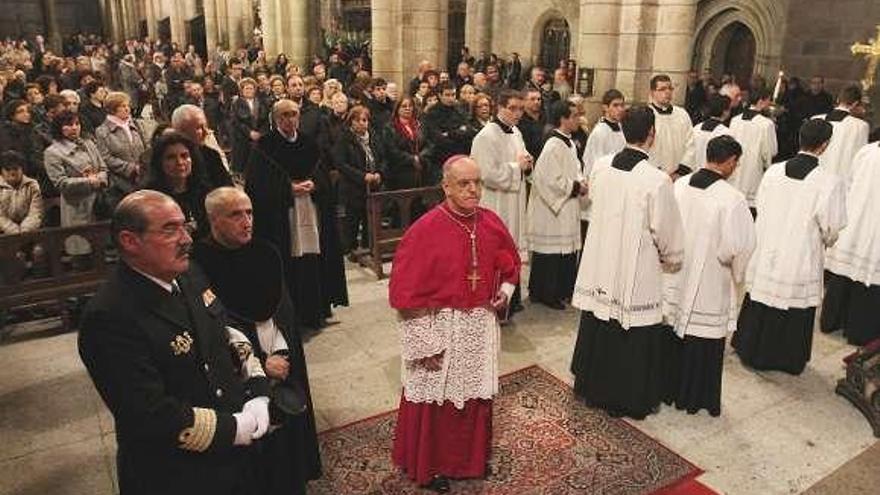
(386, 46)
(636, 25)
(478, 26)
(270, 15)
(233, 24)
(294, 31)
(178, 25)
(673, 42)
(211, 38)
(424, 34)
(598, 40)
(150, 16)
(53, 33)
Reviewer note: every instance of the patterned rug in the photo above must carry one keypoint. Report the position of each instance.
(544, 442)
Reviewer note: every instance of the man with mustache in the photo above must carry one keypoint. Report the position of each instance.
(156, 345)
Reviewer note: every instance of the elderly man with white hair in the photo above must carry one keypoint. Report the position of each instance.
(293, 210)
(190, 121)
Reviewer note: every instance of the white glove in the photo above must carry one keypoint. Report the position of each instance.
(245, 426)
(259, 409)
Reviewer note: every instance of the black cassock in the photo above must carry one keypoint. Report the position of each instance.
(316, 281)
(250, 284)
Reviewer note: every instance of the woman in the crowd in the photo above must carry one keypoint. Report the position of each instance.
(92, 112)
(76, 169)
(277, 89)
(422, 95)
(171, 172)
(280, 66)
(331, 87)
(467, 93)
(360, 158)
(334, 125)
(404, 136)
(250, 121)
(18, 133)
(315, 95)
(122, 145)
(481, 111)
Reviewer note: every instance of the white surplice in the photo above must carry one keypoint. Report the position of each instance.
(553, 213)
(504, 184)
(850, 135)
(703, 133)
(635, 233)
(719, 237)
(606, 138)
(856, 254)
(673, 140)
(757, 136)
(797, 220)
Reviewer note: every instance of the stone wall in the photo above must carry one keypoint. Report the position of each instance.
(820, 34)
(517, 26)
(25, 17)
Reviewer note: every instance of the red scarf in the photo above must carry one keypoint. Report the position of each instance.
(411, 130)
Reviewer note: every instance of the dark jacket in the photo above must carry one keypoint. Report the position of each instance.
(407, 162)
(351, 161)
(243, 122)
(212, 168)
(448, 132)
(155, 357)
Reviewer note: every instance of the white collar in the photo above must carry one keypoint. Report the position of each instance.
(168, 287)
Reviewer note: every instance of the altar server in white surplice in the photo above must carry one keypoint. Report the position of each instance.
(622, 359)
(717, 111)
(850, 134)
(606, 138)
(505, 164)
(801, 211)
(719, 237)
(554, 233)
(852, 277)
(673, 150)
(757, 136)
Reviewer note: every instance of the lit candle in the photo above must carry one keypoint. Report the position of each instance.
(778, 86)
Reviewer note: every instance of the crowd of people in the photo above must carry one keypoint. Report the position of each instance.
(655, 222)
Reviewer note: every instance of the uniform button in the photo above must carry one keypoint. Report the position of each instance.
(219, 392)
(207, 368)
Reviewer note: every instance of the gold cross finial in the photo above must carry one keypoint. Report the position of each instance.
(871, 51)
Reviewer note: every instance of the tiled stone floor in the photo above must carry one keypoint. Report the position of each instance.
(777, 434)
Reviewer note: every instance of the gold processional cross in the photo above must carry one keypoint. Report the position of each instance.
(870, 51)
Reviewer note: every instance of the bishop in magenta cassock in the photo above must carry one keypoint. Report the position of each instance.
(454, 270)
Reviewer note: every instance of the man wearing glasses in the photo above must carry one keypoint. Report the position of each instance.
(156, 346)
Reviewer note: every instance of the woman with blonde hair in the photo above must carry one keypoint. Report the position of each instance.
(121, 144)
(331, 87)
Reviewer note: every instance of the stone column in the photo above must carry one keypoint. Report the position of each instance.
(424, 34)
(233, 24)
(673, 41)
(294, 31)
(178, 26)
(211, 39)
(150, 15)
(598, 40)
(386, 43)
(53, 33)
(478, 26)
(270, 15)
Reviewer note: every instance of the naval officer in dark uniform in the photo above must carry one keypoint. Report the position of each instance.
(186, 406)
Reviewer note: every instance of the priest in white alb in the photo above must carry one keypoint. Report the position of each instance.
(553, 224)
(719, 237)
(717, 112)
(606, 138)
(505, 165)
(673, 150)
(852, 277)
(801, 211)
(454, 270)
(622, 359)
(850, 134)
(756, 133)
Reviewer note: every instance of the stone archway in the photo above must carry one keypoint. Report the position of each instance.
(734, 52)
(718, 20)
(555, 43)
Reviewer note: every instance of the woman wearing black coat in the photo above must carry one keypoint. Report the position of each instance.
(360, 157)
(250, 121)
(406, 144)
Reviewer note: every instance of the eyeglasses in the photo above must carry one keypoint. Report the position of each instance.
(174, 230)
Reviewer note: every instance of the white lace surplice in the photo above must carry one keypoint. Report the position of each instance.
(471, 340)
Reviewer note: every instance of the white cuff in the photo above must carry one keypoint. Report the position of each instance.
(245, 426)
(508, 288)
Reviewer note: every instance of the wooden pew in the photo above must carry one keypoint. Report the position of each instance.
(384, 240)
(61, 276)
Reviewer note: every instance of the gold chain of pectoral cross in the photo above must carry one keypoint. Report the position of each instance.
(473, 277)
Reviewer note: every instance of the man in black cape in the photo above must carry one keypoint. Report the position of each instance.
(293, 210)
(246, 275)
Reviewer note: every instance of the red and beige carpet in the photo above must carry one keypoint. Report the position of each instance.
(545, 442)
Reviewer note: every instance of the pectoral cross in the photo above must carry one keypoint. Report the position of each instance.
(473, 278)
(870, 51)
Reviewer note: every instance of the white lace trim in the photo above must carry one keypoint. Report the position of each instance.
(471, 341)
